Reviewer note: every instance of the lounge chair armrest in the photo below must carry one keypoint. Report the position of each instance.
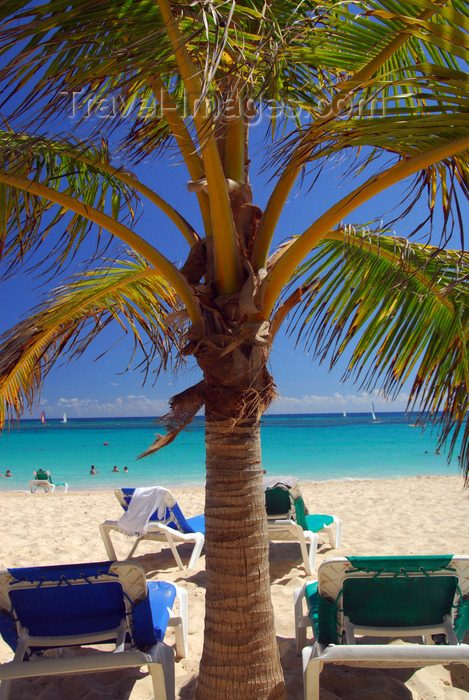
(406, 655)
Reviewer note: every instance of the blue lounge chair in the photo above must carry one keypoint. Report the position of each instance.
(48, 607)
(287, 519)
(357, 599)
(172, 528)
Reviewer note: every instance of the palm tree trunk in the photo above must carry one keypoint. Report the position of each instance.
(240, 659)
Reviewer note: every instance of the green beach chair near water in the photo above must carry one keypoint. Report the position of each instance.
(287, 519)
(358, 604)
(42, 479)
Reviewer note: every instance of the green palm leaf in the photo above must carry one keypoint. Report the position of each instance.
(67, 166)
(397, 310)
(110, 55)
(129, 293)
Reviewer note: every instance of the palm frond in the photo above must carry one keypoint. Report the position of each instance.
(103, 60)
(399, 126)
(353, 35)
(398, 311)
(128, 293)
(67, 166)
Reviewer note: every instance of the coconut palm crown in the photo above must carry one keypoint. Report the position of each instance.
(381, 84)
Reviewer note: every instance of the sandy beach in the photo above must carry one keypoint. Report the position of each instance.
(419, 515)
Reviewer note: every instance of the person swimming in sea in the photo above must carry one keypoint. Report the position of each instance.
(93, 470)
(115, 469)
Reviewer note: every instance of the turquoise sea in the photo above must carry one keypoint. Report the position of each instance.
(312, 447)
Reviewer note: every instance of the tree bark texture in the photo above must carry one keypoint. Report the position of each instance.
(240, 659)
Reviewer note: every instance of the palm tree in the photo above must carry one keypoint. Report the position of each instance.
(377, 78)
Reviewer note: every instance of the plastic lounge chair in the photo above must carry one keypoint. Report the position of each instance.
(42, 479)
(173, 528)
(50, 607)
(424, 597)
(287, 519)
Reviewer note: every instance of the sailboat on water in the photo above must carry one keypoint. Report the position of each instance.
(373, 415)
(64, 418)
(43, 418)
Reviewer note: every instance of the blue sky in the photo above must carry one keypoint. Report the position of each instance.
(90, 387)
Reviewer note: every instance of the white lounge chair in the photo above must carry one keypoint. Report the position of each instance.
(424, 597)
(287, 519)
(86, 604)
(172, 528)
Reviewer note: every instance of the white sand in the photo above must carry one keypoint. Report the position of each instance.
(421, 515)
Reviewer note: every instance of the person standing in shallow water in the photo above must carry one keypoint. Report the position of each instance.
(115, 469)
(93, 470)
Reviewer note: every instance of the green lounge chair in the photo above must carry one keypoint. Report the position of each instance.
(355, 598)
(42, 479)
(287, 519)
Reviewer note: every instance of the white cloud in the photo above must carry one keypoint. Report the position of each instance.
(142, 405)
(336, 403)
(130, 405)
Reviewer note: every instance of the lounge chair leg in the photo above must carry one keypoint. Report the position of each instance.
(174, 551)
(311, 672)
(106, 537)
(336, 538)
(199, 543)
(180, 624)
(162, 672)
(301, 622)
(309, 559)
(5, 687)
(135, 545)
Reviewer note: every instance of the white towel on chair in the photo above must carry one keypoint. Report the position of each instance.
(285, 482)
(142, 505)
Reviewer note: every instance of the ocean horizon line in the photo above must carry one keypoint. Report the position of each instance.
(202, 417)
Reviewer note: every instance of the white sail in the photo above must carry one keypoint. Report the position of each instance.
(373, 415)
(64, 418)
